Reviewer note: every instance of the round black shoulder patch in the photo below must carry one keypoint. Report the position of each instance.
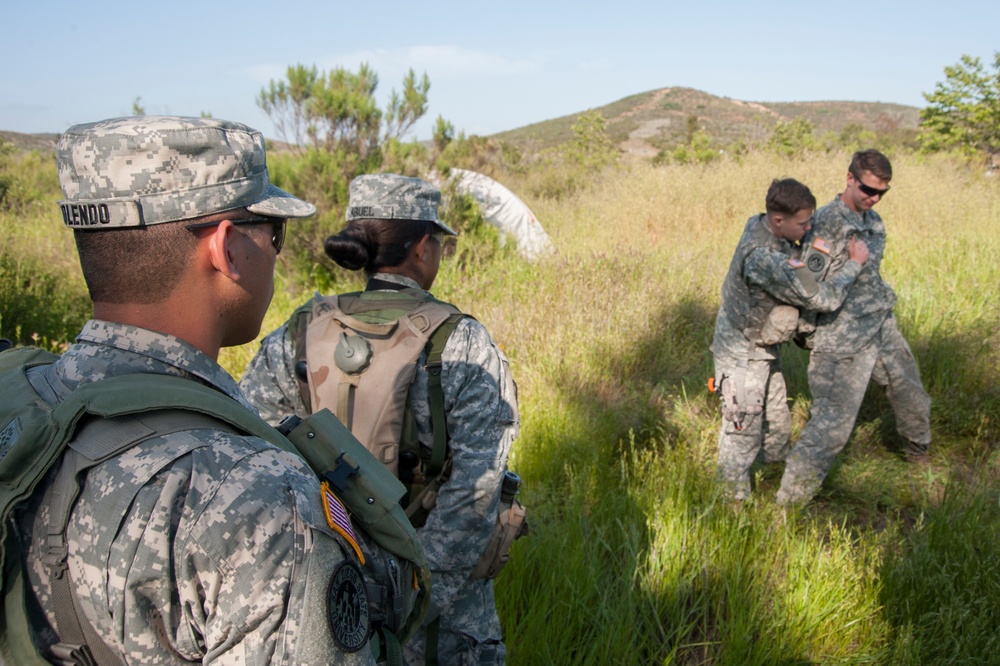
(347, 607)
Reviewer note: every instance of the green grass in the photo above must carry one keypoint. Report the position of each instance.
(632, 558)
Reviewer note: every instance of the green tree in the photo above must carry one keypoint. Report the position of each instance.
(793, 137)
(404, 110)
(336, 111)
(444, 133)
(591, 147)
(854, 136)
(698, 150)
(336, 131)
(963, 112)
(137, 107)
(692, 127)
(285, 103)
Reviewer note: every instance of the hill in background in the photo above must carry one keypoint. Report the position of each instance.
(642, 125)
(40, 142)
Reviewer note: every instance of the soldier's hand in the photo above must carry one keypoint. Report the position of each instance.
(858, 251)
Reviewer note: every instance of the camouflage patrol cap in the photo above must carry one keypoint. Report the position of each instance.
(386, 196)
(142, 170)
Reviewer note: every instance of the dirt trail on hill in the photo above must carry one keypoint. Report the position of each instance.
(636, 145)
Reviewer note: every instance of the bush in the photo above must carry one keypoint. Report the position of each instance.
(794, 137)
(38, 306)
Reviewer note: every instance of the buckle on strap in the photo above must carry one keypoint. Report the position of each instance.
(68, 654)
(55, 555)
(345, 468)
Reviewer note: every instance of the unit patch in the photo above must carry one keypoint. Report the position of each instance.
(347, 607)
(816, 262)
(818, 257)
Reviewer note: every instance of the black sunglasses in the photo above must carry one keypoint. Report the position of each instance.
(868, 189)
(277, 229)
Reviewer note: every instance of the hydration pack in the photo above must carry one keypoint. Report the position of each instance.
(357, 355)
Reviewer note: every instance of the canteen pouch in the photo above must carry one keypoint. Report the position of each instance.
(511, 525)
(369, 490)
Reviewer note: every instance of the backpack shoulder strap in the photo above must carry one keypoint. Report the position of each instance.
(439, 424)
(96, 441)
(34, 438)
(438, 467)
(298, 324)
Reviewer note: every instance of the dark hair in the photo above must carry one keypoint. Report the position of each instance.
(873, 161)
(140, 264)
(372, 244)
(134, 264)
(788, 196)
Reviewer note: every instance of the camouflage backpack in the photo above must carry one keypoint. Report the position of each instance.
(34, 436)
(374, 341)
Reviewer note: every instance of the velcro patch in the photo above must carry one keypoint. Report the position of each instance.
(9, 436)
(347, 607)
(822, 246)
(338, 519)
(795, 263)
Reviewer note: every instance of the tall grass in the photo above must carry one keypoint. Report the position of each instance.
(43, 299)
(632, 558)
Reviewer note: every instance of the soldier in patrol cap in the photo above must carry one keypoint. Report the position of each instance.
(761, 294)
(858, 342)
(394, 234)
(201, 545)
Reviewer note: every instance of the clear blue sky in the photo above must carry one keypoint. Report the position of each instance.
(492, 66)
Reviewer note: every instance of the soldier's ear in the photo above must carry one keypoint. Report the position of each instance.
(420, 248)
(221, 250)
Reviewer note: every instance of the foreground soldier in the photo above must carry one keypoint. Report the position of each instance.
(765, 285)
(856, 343)
(193, 546)
(395, 236)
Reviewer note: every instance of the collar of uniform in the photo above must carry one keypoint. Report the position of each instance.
(394, 278)
(857, 220)
(167, 350)
(779, 243)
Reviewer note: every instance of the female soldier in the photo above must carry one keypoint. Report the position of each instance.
(405, 371)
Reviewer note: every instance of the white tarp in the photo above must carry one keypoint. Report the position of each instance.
(504, 210)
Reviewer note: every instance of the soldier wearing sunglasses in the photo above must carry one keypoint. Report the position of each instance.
(857, 343)
(220, 546)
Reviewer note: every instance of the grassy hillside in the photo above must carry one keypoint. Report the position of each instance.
(632, 558)
(43, 143)
(648, 122)
(645, 123)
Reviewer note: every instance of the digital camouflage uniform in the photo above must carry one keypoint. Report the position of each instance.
(747, 362)
(198, 546)
(482, 416)
(858, 342)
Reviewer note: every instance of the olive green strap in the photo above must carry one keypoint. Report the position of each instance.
(439, 424)
(431, 644)
(297, 326)
(385, 648)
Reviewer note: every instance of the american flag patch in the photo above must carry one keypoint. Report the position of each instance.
(338, 520)
(822, 245)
